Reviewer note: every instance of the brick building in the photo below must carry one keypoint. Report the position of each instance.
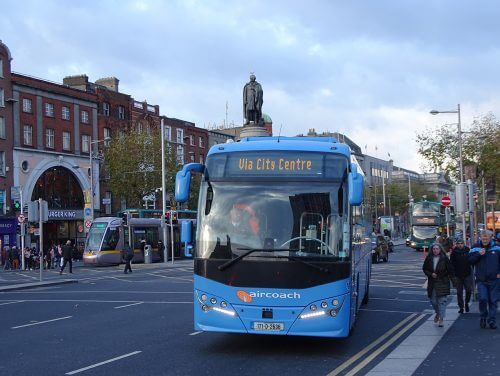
(189, 142)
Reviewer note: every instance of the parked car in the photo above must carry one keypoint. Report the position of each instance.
(380, 249)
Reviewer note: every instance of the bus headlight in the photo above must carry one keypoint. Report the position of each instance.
(208, 303)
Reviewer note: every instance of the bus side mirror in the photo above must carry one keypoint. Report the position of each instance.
(183, 180)
(355, 183)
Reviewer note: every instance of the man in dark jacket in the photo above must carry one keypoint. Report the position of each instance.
(67, 250)
(463, 274)
(486, 257)
(128, 255)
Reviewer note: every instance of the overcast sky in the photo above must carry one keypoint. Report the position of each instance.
(369, 69)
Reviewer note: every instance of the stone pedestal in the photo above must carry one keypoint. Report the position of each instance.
(253, 131)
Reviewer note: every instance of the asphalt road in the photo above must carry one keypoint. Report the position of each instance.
(142, 324)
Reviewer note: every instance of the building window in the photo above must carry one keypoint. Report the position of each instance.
(201, 142)
(2, 99)
(191, 157)
(168, 133)
(121, 112)
(85, 143)
(49, 140)
(66, 140)
(138, 105)
(191, 140)
(180, 154)
(107, 134)
(2, 163)
(2, 127)
(180, 136)
(49, 109)
(139, 127)
(28, 134)
(201, 159)
(1, 68)
(85, 117)
(105, 108)
(65, 113)
(27, 105)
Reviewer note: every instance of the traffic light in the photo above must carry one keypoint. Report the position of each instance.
(125, 219)
(17, 205)
(174, 218)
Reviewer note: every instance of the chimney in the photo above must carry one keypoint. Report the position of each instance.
(80, 82)
(110, 82)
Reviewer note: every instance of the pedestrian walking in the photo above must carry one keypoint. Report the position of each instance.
(485, 256)
(463, 274)
(439, 272)
(15, 257)
(8, 258)
(128, 255)
(67, 254)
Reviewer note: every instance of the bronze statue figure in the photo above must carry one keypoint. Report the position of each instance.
(252, 102)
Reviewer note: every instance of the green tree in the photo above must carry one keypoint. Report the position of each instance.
(133, 165)
(479, 147)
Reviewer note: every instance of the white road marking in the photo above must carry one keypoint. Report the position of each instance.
(105, 292)
(98, 301)
(383, 310)
(102, 363)
(194, 333)
(128, 305)
(26, 276)
(41, 322)
(169, 277)
(17, 301)
(400, 300)
(398, 283)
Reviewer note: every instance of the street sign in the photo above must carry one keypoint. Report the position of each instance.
(88, 212)
(445, 201)
(88, 224)
(21, 218)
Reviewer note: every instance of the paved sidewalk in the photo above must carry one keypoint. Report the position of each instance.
(458, 349)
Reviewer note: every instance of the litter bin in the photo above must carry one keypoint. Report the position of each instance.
(148, 254)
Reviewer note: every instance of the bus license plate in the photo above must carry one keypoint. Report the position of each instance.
(269, 326)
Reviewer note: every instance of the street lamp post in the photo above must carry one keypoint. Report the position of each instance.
(457, 111)
(106, 139)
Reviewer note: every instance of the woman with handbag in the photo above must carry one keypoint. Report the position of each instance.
(439, 272)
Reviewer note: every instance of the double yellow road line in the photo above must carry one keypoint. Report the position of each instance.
(396, 332)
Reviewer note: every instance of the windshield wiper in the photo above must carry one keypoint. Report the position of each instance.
(250, 251)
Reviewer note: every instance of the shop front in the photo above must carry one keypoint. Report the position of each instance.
(8, 232)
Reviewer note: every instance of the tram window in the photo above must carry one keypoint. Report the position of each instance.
(110, 239)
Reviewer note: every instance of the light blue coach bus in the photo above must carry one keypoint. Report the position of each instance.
(281, 242)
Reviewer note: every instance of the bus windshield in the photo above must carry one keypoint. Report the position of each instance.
(425, 208)
(424, 232)
(296, 219)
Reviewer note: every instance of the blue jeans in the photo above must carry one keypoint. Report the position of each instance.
(439, 304)
(488, 298)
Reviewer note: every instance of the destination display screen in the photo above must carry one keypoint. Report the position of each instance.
(277, 164)
(426, 220)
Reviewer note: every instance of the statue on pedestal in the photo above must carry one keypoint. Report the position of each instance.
(252, 102)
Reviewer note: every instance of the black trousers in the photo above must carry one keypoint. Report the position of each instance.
(127, 266)
(70, 264)
(462, 283)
